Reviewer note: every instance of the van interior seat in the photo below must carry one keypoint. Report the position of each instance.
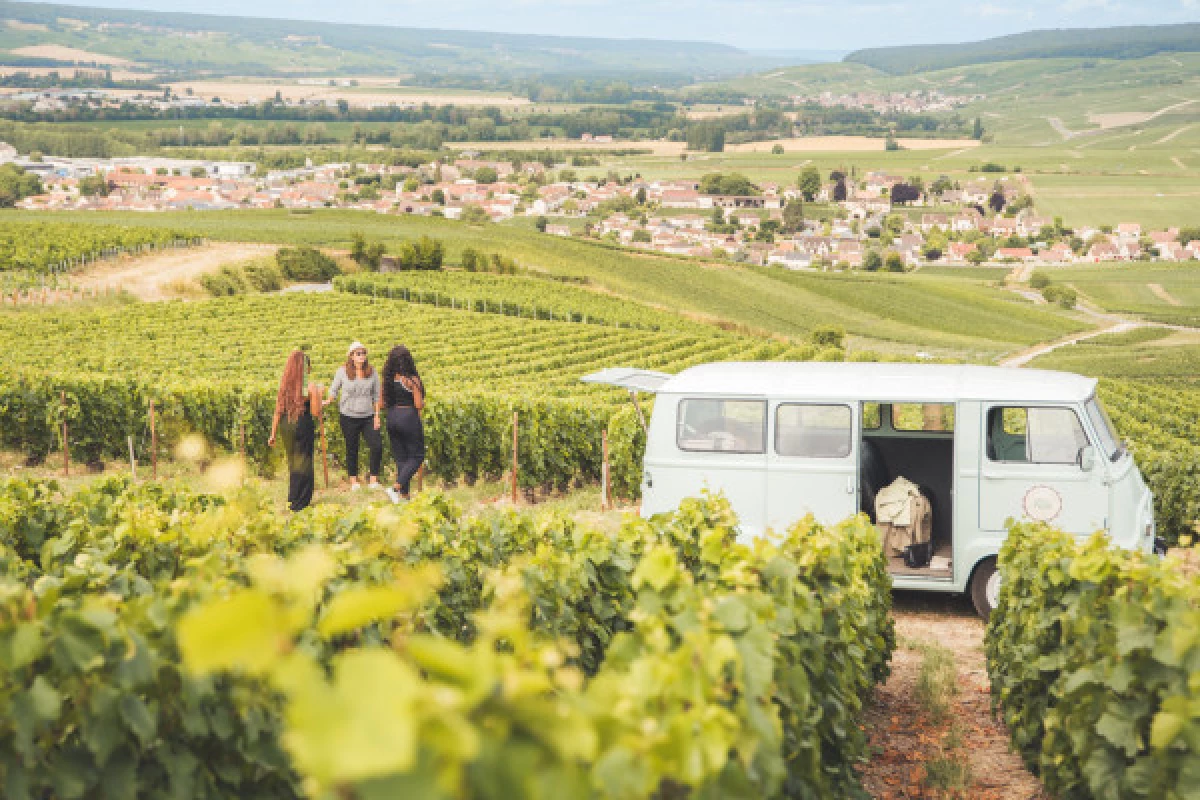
(872, 475)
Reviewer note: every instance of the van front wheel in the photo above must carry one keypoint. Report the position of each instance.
(985, 587)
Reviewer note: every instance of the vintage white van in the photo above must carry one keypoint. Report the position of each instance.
(985, 444)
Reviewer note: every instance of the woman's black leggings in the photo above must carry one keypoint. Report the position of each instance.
(407, 436)
(352, 429)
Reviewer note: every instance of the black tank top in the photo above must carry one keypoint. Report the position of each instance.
(401, 396)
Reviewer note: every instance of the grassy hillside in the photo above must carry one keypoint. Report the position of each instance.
(1123, 42)
(1161, 292)
(242, 45)
(964, 319)
(1143, 355)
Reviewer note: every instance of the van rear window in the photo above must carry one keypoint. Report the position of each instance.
(711, 425)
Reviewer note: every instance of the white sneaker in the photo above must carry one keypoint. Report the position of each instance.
(354, 487)
(394, 496)
(375, 486)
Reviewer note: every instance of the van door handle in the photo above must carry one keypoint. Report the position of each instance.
(851, 488)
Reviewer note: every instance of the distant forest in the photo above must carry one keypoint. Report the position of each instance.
(1121, 43)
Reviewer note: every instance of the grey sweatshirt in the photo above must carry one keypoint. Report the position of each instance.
(357, 397)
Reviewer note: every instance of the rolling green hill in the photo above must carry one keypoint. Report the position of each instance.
(1120, 43)
(246, 45)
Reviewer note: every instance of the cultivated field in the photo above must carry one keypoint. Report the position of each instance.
(361, 96)
(63, 53)
(888, 313)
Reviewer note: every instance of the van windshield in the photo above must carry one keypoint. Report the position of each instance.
(1110, 443)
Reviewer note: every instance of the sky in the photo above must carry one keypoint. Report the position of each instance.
(834, 25)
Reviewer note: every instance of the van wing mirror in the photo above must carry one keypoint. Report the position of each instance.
(1087, 458)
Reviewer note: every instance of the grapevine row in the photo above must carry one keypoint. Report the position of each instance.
(52, 247)
(525, 297)
(1092, 655)
(157, 642)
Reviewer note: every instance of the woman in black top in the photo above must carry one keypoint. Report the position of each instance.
(297, 404)
(404, 398)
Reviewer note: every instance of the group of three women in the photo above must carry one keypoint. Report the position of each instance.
(363, 396)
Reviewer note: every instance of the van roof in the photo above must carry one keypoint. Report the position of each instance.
(883, 382)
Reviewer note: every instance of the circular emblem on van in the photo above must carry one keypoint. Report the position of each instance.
(1042, 503)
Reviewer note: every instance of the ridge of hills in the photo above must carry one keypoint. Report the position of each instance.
(1127, 42)
(232, 45)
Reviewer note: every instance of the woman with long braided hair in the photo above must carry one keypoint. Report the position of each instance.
(297, 405)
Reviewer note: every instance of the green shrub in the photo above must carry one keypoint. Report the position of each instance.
(263, 275)
(1064, 296)
(1039, 280)
(306, 264)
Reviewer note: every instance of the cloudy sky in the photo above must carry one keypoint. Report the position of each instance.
(753, 24)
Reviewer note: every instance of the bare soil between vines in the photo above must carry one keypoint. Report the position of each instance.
(903, 737)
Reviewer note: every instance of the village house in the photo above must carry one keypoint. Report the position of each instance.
(1014, 254)
(957, 252)
(930, 222)
(1129, 230)
(1060, 253)
(1102, 250)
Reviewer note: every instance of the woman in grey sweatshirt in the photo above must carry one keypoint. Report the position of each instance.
(360, 398)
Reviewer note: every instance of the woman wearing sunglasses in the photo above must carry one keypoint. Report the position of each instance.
(297, 405)
(357, 389)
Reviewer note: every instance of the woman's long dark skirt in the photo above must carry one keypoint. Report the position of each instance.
(299, 437)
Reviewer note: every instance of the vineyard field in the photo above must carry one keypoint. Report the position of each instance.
(212, 368)
(1131, 289)
(880, 312)
(519, 296)
(1173, 358)
(227, 651)
(41, 246)
(247, 338)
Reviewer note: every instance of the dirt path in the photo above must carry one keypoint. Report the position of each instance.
(1163, 294)
(1173, 134)
(150, 277)
(1023, 357)
(904, 739)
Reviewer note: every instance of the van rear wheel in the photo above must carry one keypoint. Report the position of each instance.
(985, 587)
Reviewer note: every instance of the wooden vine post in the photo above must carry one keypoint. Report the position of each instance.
(605, 501)
(242, 439)
(132, 458)
(153, 445)
(324, 451)
(65, 436)
(516, 423)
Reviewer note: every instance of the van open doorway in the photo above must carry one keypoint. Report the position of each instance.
(915, 442)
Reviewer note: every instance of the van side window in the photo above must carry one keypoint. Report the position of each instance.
(812, 431)
(872, 419)
(1035, 435)
(722, 426)
(923, 416)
